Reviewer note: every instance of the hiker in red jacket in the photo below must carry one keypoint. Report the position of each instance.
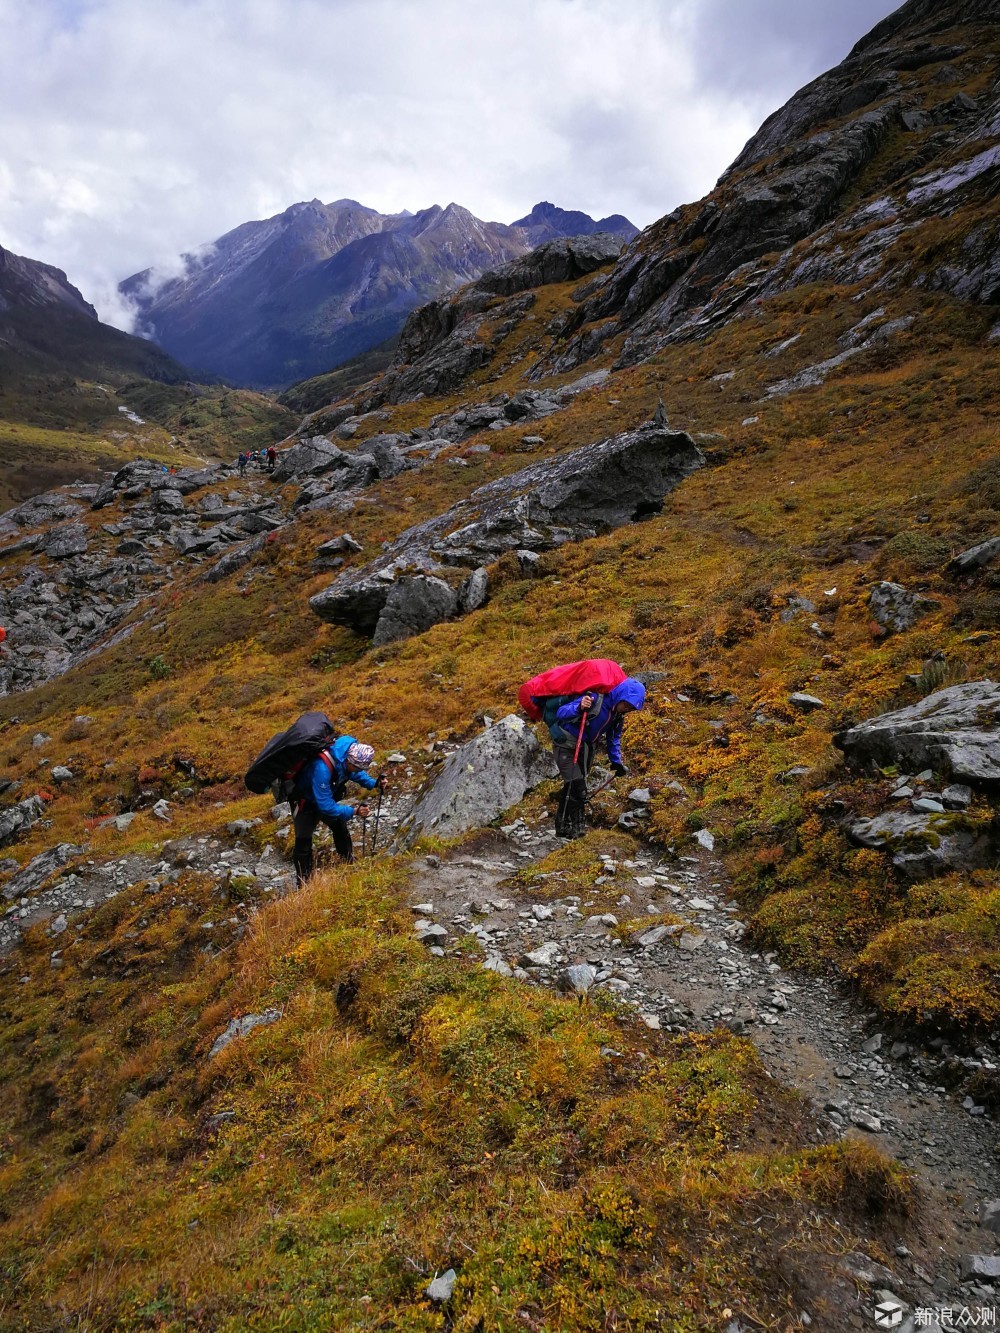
(576, 723)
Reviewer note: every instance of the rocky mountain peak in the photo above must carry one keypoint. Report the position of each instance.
(884, 140)
(925, 18)
(296, 294)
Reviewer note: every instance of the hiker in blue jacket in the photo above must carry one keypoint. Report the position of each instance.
(319, 791)
(605, 717)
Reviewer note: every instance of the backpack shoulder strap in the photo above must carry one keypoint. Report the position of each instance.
(325, 756)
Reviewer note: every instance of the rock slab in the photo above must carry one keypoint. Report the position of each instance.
(956, 729)
(479, 782)
(578, 495)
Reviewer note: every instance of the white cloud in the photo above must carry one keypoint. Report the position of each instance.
(131, 132)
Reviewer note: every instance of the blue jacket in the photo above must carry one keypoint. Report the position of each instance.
(316, 783)
(565, 725)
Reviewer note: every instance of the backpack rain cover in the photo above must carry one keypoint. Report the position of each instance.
(289, 750)
(596, 673)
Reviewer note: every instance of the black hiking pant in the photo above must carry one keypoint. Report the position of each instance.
(306, 819)
(571, 812)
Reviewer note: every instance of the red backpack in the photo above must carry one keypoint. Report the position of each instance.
(599, 674)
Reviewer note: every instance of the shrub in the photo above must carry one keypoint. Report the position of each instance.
(920, 551)
(984, 484)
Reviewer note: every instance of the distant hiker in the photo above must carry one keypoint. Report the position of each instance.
(272, 458)
(319, 790)
(580, 703)
(241, 463)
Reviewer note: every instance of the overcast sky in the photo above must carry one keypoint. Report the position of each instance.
(131, 130)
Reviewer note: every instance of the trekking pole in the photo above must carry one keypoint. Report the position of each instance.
(364, 833)
(597, 790)
(579, 736)
(378, 812)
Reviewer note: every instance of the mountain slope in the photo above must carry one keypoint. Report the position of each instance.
(46, 326)
(390, 1113)
(277, 301)
(78, 397)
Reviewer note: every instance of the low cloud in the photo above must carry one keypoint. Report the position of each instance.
(130, 134)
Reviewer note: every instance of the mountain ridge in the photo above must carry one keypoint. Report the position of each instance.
(276, 301)
(46, 325)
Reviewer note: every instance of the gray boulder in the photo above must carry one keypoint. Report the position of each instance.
(345, 543)
(239, 1027)
(169, 501)
(37, 871)
(318, 456)
(14, 819)
(895, 608)
(257, 522)
(956, 729)
(385, 452)
(480, 782)
(187, 541)
(413, 605)
(234, 560)
(577, 979)
(441, 1288)
(186, 480)
(63, 543)
(575, 496)
(924, 846)
(475, 590)
(49, 507)
(976, 557)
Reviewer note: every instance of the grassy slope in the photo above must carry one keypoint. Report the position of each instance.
(58, 430)
(403, 1115)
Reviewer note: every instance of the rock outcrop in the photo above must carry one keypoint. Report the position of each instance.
(568, 498)
(956, 730)
(39, 868)
(923, 846)
(442, 343)
(781, 216)
(479, 782)
(15, 819)
(317, 457)
(895, 608)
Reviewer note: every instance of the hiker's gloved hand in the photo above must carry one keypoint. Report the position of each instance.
(620, 770)
(362, 811)
(381, 782)
(586, 703)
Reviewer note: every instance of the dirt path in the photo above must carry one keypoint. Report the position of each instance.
(701, 974)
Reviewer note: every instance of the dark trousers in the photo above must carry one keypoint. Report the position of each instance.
(571, 812)
(307, 817)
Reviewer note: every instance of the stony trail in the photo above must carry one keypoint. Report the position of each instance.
(684, 965)
(701, 974)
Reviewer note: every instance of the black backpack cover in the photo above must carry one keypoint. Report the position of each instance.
(284, 754)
